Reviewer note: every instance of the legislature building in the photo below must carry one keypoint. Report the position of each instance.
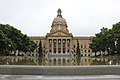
(60, 41)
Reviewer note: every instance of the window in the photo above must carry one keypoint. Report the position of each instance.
(63, 50)
(59, 50)
(54, 50)
(74, 46)
(50, 51)
(67, 60)
(68, 51)
(63, 43)
(55, 60)
(32, 54)
(68, 43)
(88, 54)
(59, 41)
(88, 50)
(85, 60)
(81, 55)
(74, 51)
(85, 51)
(81, 46)
(50, 60)
(54, 43)
(89, 60)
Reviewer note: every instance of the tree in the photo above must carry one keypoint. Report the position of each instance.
(101, 41)
(107, 40)
(93, 45)
(11, 39)
(6, 45)
(32, 46)
(78, 50)
(116, 30)
(40, 49)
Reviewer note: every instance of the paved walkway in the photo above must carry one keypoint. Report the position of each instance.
(35, 77)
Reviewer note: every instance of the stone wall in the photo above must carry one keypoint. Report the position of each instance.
(59, 70)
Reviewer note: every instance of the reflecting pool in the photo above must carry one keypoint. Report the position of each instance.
(59, 61)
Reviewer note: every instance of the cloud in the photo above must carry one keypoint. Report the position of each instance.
(84, 17)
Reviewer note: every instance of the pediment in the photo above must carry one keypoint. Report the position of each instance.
(59, 34)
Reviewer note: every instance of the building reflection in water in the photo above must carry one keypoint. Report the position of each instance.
(54, 61)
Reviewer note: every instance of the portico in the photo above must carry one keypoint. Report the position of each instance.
(59, 46)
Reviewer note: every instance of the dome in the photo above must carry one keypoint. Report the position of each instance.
(59, 23)
(59, 19)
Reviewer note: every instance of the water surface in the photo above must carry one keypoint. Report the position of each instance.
(58, 61)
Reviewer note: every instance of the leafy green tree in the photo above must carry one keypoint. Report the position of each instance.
(107, 40)
(11, 39)
(32, 46)
(93, 46)
(101, 41)
(116, 30)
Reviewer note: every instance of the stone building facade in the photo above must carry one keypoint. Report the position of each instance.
(60, 41)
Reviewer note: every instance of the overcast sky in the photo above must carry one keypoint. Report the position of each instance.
(84, 17)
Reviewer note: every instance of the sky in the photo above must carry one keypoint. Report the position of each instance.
(83, 17)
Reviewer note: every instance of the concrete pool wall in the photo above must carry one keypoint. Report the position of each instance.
(59, 70)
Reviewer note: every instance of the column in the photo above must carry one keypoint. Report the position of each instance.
(57, 46)
(61, 46)
(52, 46)
(48, 44)
(66, 46)
(70, 45)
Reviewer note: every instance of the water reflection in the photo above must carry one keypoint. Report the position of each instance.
(10, 60)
